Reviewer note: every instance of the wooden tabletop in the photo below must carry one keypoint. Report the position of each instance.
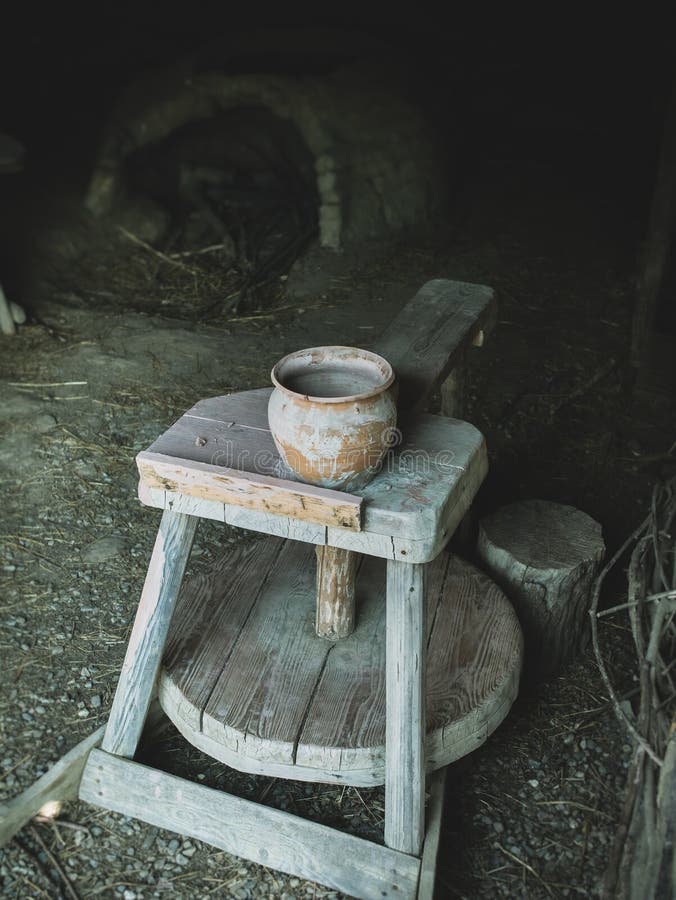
(219, 461)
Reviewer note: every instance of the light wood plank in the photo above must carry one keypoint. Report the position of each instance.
(260, 699)
(59, 784)
(250, 490)
(146, 643)
(405, 724)
(263, 835)
(426, 339)
(435, 811)
(209, 619)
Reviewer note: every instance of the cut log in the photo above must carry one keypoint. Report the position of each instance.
(336, 570)
(545, 556)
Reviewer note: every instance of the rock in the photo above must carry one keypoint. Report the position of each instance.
(104, 548)
(44, 422)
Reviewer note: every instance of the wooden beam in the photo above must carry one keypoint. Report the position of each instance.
(258, 833)
(435, 811)
(251, 490)
(405, 708)
(59, 784)
(144, 652)
(426, 340)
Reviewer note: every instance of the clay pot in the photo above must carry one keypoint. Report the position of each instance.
(332, 414)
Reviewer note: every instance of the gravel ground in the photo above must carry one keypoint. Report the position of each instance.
(87, 385)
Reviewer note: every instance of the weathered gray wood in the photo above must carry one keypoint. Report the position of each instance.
(59, 784)
(336, 573)
(453, 393)
(208, 621)
(425, 340)
(434, 817)
(473, 667)
(545, 556)
(250, 490)
(146, 643)
(263, 835)
(405, 721)
(435, 472)
(259, 700)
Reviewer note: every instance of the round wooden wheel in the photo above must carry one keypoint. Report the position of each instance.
(246, 679)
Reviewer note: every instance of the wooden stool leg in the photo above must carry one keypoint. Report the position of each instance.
(336, 577)
(405, 708)
(144, 652)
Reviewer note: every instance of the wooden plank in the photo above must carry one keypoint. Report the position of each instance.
(263, 693)
(146, 643)
(59, 784)
(478, 643)
(435, 811)
(263, 835)
(251, 490)
(405, 723)
(209, 619)
(425, 340)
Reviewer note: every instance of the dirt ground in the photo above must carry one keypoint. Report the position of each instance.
(107, 361)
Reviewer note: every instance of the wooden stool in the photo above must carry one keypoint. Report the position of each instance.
(428, 672)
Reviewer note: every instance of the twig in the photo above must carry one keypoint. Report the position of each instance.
(599, 375)
(212, 248)
(158, 253)
(57, 865)
(651, 598)
(528, 868)
(621, 716)
(39, 384)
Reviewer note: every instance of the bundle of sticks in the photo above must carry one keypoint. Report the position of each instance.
(641, 863)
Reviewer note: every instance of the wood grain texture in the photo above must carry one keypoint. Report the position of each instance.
(208, 622)
(146, 643)
(546, 557)
(418, 497)
(335, 608)
(60, 783)
(263, 835)
(259, 700)
(433, 820)
(337, 691)
(424, 341)
(405, 702)
(250, 490)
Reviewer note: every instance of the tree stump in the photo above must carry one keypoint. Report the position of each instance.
(545, 556)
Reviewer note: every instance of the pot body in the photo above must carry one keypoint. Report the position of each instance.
(332, 414)
(334, 445)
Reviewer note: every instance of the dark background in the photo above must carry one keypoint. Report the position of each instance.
(584, 94)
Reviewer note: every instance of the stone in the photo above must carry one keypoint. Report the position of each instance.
(104, 548)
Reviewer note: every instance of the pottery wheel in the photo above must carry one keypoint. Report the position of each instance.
(246, 679)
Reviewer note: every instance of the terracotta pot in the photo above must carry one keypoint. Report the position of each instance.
(332, 414)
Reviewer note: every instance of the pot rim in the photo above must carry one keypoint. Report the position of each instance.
(379, 361)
